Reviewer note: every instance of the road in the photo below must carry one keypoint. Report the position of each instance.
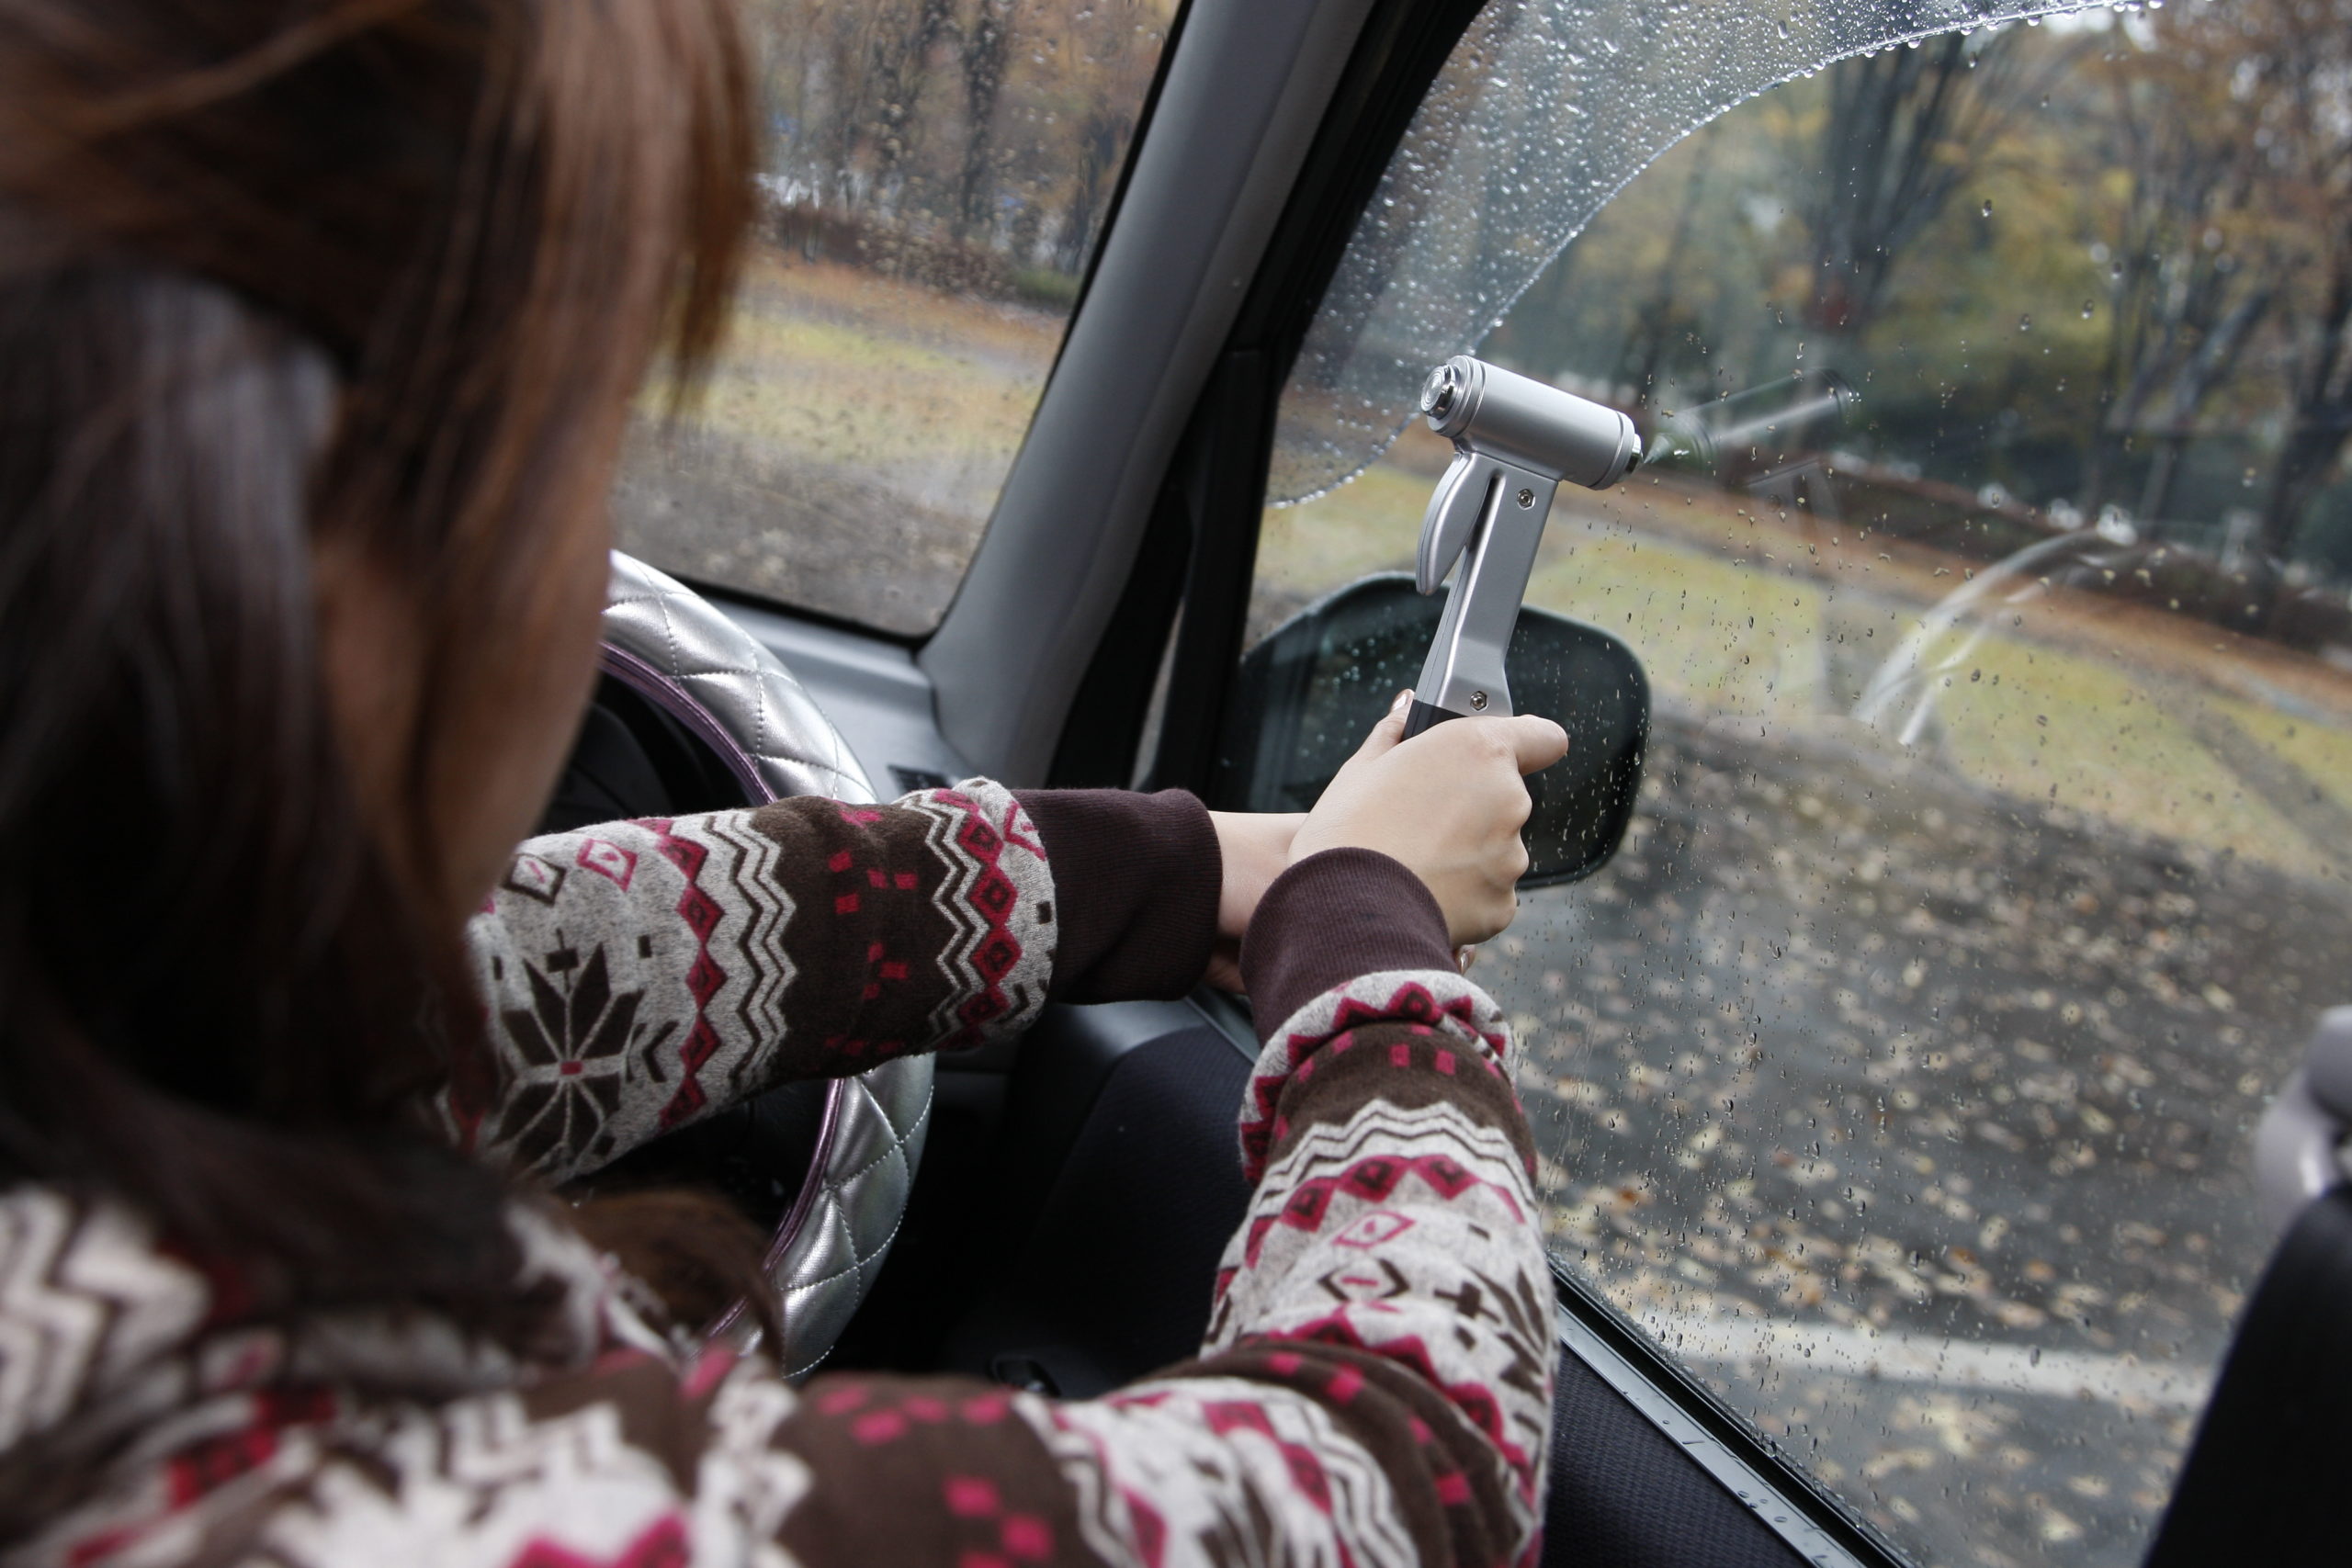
(1917, 1117)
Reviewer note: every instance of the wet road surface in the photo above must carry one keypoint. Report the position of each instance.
(1917, 1119)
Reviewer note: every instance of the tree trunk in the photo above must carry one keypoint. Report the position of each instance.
(1885, 173)
(2199, 374)
(988, 46)
(2323, 417)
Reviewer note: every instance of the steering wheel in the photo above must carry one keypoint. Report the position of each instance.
(693, 713)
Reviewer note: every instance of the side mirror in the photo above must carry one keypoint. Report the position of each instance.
(1311, 691)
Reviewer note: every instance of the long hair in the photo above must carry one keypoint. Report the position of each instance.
(379, 274)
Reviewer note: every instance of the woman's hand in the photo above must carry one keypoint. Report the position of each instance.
(1448, 804)
(1256, 846)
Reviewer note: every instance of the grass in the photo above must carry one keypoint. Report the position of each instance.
(2087, 736)
(2321, 750)
(1714, 635)
(829, 364)
(1748, 618)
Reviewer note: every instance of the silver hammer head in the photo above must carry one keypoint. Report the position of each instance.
(1501, 422)
(1514, 442)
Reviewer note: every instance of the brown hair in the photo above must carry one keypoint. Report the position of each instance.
(377, 273)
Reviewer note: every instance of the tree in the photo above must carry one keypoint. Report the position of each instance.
(1903, 131)
(2301, 66)
(1657, 320)
(899, 61)
(985, 47)
(2197, 268)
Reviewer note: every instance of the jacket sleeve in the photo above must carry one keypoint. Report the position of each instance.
(637, 975)
(1376, 1385)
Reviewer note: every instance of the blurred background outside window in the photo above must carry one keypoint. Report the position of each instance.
(935, 175)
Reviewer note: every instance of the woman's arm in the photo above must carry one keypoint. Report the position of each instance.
(639, 974)
(1376, 1385)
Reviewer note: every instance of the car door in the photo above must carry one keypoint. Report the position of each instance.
(1898, 1081)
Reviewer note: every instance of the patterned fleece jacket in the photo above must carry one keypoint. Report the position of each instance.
(1375, 1385)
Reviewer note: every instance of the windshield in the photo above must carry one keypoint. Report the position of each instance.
(1545, 109)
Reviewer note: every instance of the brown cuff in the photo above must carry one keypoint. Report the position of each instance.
(1135, 884)
(1333, 917)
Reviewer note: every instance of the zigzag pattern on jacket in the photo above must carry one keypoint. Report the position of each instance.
(641, 974)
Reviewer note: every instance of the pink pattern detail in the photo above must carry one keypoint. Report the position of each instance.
(214, 1462)
(1379, 1225)
(1307, 1477)
(995, 899)
(972, 1497)
(1027, 1536)
(1011, 828)
(1474, 1399)
(1373, 1178)
(701, 913)
(534, 878)
(662, 1545)
(708, 1371)
(607, 860)
(878, 1426)
(1412, 1002)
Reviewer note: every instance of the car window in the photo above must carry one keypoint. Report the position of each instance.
(1993, 571)
(934, 176)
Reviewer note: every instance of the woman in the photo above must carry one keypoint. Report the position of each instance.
(319, 321)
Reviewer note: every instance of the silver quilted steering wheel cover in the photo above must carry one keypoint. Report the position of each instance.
(675, 649)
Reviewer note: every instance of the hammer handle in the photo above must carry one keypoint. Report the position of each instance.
(1425, 717)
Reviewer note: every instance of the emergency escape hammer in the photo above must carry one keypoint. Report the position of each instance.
(1514, 441)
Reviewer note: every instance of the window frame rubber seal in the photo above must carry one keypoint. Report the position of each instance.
(1817, 1524)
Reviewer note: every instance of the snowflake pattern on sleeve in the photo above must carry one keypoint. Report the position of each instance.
(637, 975)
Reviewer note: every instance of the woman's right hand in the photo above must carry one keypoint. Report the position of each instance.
(1448, 804)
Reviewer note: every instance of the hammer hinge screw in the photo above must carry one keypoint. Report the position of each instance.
(1479, 701)
(1527, 498)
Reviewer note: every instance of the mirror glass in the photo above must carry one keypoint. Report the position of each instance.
(1311, 689)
